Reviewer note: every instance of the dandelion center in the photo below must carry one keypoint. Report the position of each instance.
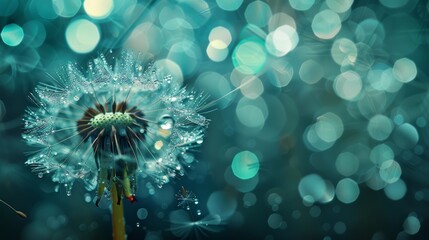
(106, 120)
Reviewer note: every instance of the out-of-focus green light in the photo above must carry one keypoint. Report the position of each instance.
(348, 85)
(245, 165)
(390, 171)
(82, 36)
(249, 56)
(258, 13)
(310, 72)
(220, 33)
(404, 70)
(344, 52)
(326, 24)
(406, 136)
(347, 164)
(347, 190)
(312, 188)
(381, 153)
(339, 6)
(217, 51)
(282, 40)
(411, 225)
(301, 5)
(66, 8)
(329, 127)
(98, 9)
(229, 5)
(380, 127)
(12, 35)
(396, 190)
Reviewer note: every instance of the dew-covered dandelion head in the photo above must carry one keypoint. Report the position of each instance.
(112, 124)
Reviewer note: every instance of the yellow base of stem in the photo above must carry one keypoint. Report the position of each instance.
(118, 221)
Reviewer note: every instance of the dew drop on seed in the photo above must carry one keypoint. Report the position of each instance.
(76, 98)
(40, 175)
(166, 122)
(199, 212)
(137, 224)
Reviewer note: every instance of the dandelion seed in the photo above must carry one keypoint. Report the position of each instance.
(185, 198)
(109, 125)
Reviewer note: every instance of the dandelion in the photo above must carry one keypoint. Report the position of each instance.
(112, 124)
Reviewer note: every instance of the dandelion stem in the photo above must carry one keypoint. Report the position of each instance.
(118, 222)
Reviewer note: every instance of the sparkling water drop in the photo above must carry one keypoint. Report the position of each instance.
(166, 122)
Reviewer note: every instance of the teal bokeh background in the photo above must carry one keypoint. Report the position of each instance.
(318, 126)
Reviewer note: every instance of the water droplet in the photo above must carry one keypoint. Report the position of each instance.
(196, 201)
(137, 224)
(166, 122)
(57, 188)
(199, 212)
(76, 98)
(40, 175)
(199, 141)
(87, 197)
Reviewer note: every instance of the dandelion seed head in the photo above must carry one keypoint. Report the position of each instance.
(111, 123)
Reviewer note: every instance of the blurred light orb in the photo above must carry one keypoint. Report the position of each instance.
(245, 165)
(326, 24)
(82, 36)
(381, 153)
(339, 6)
(301, 5)
(380, 127)
(98, 9)
(329, 127)
(344, 52)
(406, 136)
(221, 34)
(66, 8)
(249, 114)
(404, 70)
(142, 213)
(258, 13)
(396, 191)
(249, 56)
(348, 85)
(12, 35)
(229, 5)
(251, 87)
(310, 72)
(347, 190)
(217, 50)
(411, 225)
(312, 188)
(347, 164)
(275, 221)
(390, 171)
(222, 204)
(146, 38)
(280, 19)
(282, 40)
